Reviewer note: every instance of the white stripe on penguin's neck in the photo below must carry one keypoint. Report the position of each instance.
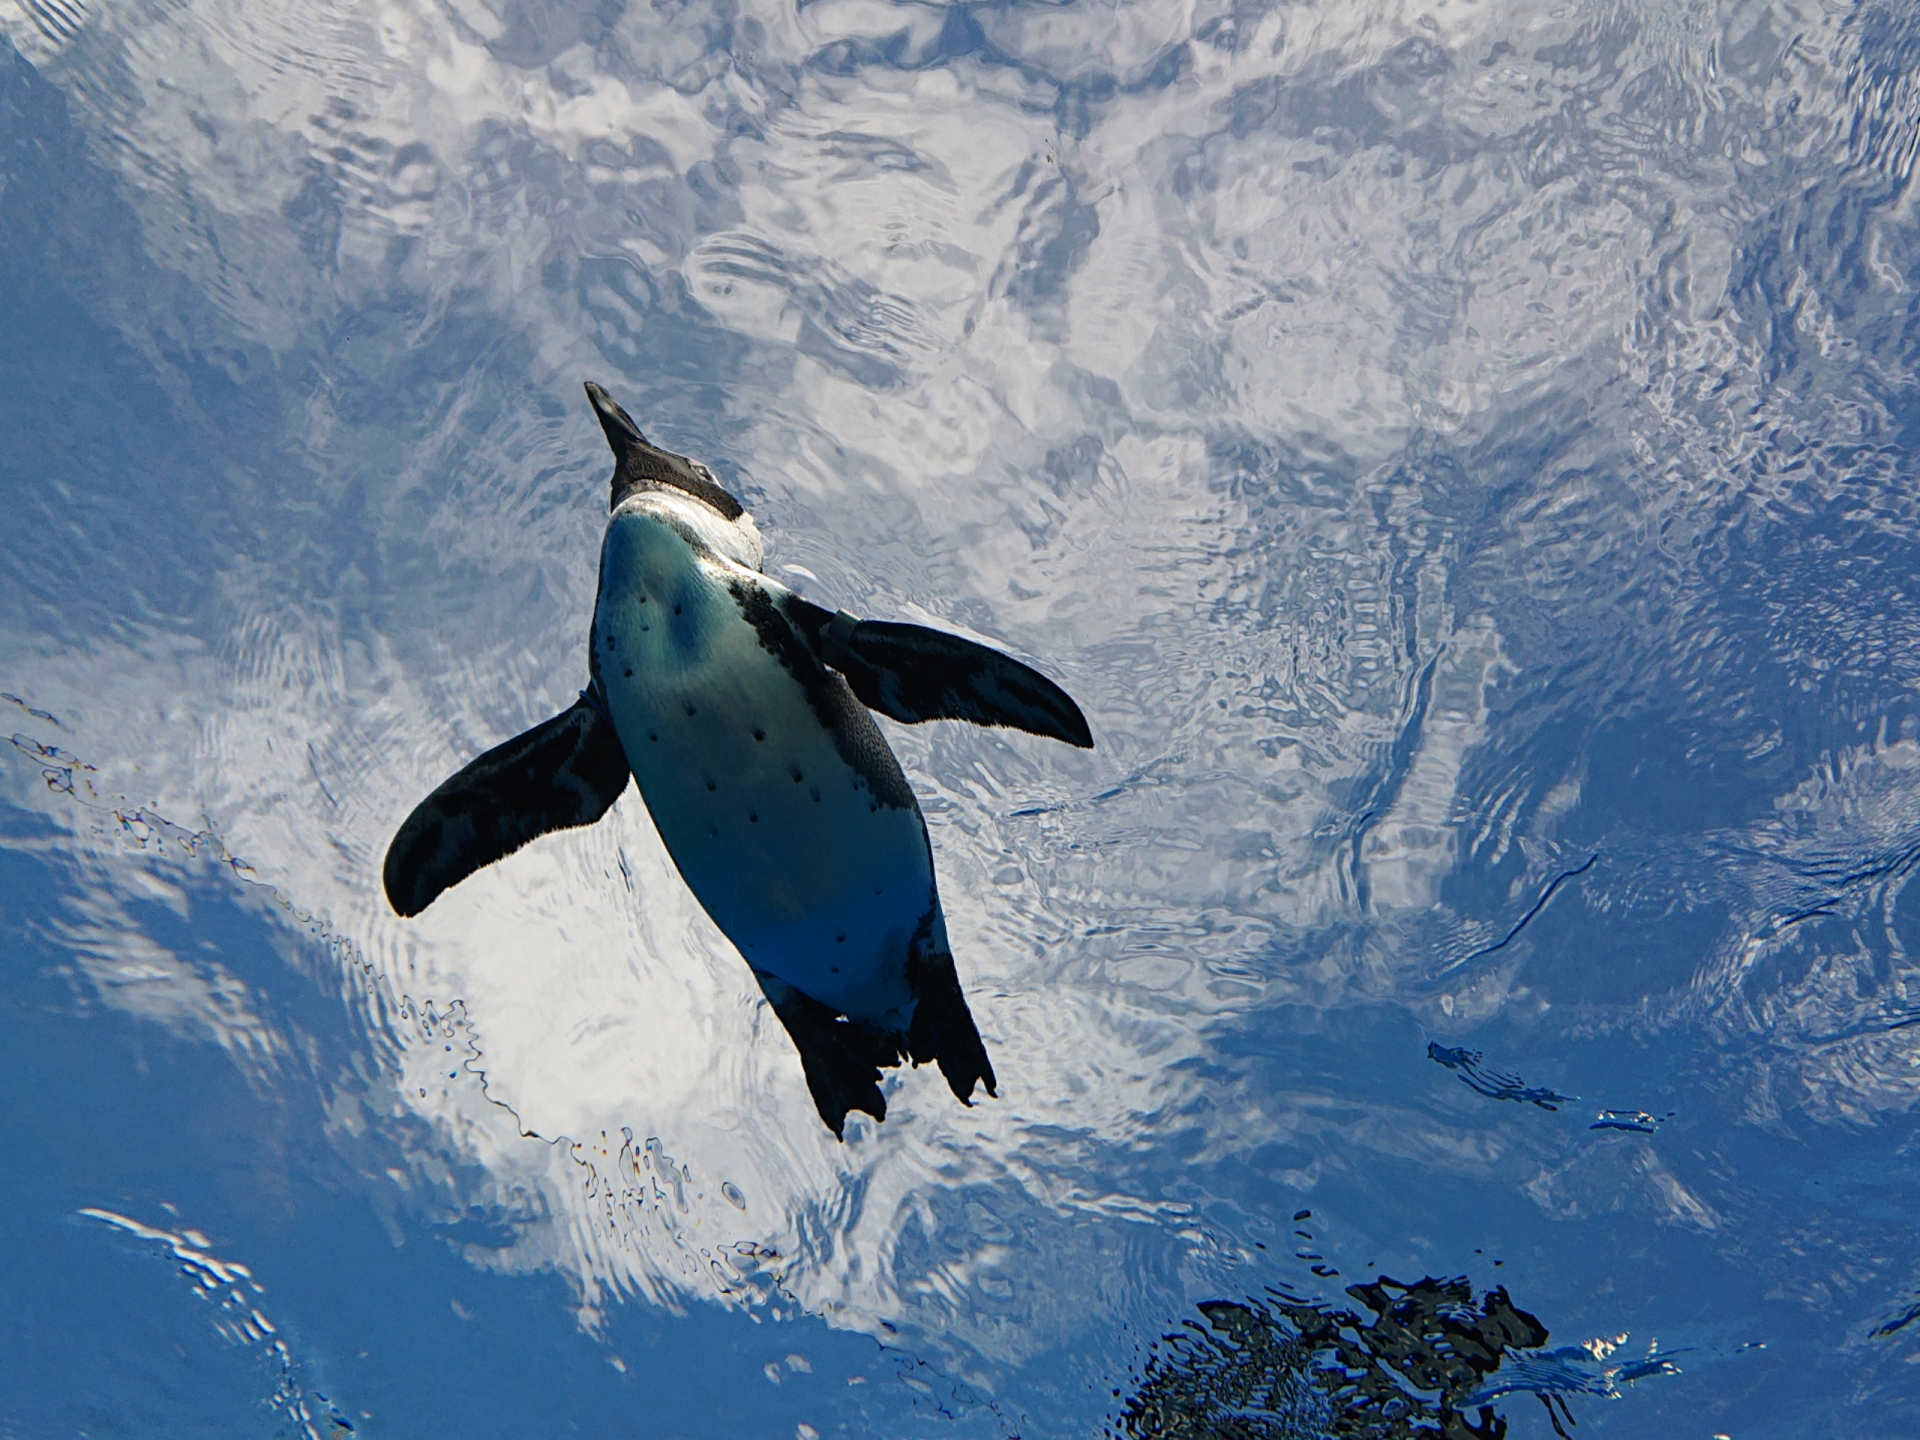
(737, 540)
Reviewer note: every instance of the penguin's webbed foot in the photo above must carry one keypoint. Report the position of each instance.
(842, 1066)
(841, 1058)
(943, 1028)
(838, 1087)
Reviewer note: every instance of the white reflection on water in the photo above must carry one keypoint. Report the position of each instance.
(236, 1297)
(1437, 444)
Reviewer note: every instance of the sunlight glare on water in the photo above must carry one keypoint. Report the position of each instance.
(1460, 457)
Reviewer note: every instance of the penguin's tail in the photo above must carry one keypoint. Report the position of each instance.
(942, 1029)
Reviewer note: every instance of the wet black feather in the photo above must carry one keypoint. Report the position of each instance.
(910, 673)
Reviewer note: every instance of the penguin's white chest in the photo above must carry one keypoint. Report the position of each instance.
(813, 876)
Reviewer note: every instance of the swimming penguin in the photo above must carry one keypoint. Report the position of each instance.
(741, 710)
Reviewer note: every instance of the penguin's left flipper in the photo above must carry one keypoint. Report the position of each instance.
(910, 673)
(564, 772)
(841, 1059)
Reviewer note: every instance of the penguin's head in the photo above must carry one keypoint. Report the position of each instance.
(639, 465)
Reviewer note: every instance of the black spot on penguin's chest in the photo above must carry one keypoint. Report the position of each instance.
(675, 613)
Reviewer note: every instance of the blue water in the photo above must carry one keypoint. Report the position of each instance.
(1465, 461)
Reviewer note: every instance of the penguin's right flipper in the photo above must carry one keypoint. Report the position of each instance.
(911, 673)
(842, 1059)
(564, 772)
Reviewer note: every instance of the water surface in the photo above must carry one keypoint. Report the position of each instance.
(1462, 459)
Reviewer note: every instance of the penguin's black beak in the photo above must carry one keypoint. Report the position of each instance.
(622, 433)
(638, 462)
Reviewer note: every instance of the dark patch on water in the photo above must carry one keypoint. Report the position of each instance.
(1638, 1121)
(1898, 1323)
(1546, 896)
(1477, 1076)
(1277, 1367)
(19, 704)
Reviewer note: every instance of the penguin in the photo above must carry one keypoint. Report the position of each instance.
(741, 712)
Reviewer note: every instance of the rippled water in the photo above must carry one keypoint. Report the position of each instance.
(1461, 457)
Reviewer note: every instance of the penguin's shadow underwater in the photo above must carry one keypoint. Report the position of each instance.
(740, 710)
